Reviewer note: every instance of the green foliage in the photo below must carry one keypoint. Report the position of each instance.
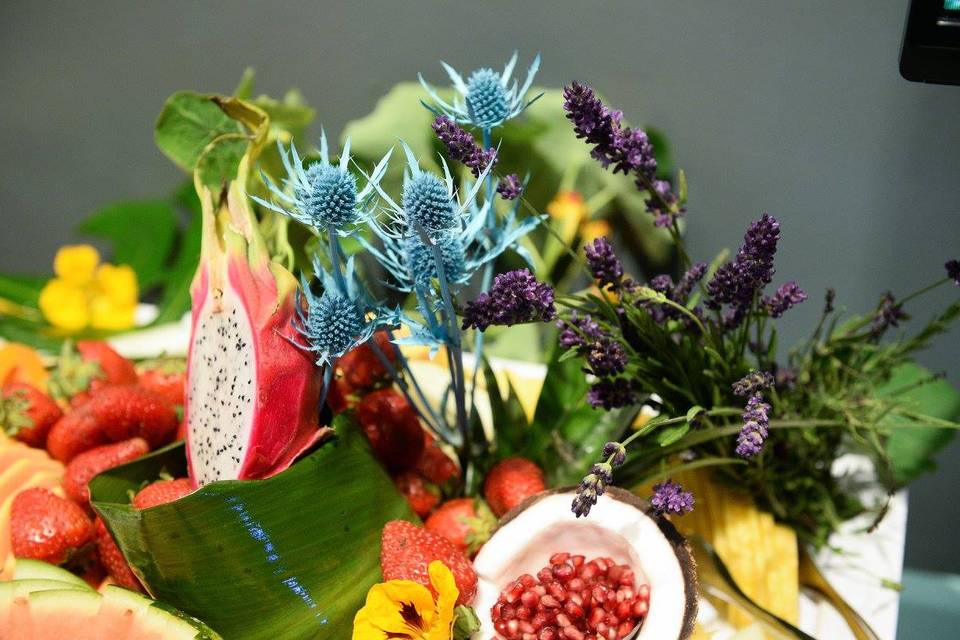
(188, 124)
(285, 558)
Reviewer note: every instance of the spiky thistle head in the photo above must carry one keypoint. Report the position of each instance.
(487, 99)
(422, 265)
(323, 195)
(428, 203)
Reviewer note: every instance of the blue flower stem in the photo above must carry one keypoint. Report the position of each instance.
(327, 379)
(455, 360)
(486, 278)
(336, 257)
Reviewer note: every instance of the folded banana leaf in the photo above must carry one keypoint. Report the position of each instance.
(285, 558)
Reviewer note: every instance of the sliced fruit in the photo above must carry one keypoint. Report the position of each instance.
(20, 363)
(621, 527)
(53, 610)
(27, 569)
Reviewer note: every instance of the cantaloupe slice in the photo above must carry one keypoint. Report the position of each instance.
(54, 610)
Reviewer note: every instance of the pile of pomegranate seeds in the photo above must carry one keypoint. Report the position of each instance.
(572, 600)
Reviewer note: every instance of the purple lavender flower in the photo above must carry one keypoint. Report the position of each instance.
(737, 283)
(515, 297)
(889, 314)
(510, 187)
(953, 270)
(664, 189)
(688, 281)
(462, 147)
(590, 489)
(669, 497)
(606, 357)
(578, 331)
(786, 297)
(752, 383)
(628, 150)
(611, 393)
(604, 263)
(754, 431)
(616, 452)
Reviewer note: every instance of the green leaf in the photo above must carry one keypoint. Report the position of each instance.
(141, 234)
(21, 289)
(567, 434)
(188, 123)
(912, 450)
(288, 557)
(693, 412)
(175, 300)
(668, 435)
(244, 88)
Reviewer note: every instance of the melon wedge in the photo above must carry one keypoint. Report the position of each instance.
(47, 479)
(54, 610)
(27, 570)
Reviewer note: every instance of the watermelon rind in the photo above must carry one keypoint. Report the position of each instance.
(26, 569)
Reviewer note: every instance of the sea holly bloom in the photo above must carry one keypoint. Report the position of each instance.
(323, 195)
(487, 98)
(403, 609)
(337, 320)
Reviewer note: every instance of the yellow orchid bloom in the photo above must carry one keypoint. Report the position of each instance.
(406, 610)
(118, 283)
(76, 263)
(593, 229)
(65, 305)
(568, 206)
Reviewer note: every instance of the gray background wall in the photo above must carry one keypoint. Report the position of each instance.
(795, 108)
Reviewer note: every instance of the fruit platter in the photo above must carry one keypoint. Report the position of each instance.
(449, 374)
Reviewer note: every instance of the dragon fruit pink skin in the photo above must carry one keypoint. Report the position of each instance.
(252, 396)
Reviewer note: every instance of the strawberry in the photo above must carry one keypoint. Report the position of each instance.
(91, 366)
(27, 414)
(113, 414)
(44, 526)
(466, 522)
(362, 369)
(392, 427)
(167, 378)
(162, 492)
(434, 463)
(406, 551)
(112, 558)
(81, 470)
(510, 482)
(419, 492)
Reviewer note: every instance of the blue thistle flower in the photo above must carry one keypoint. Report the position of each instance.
(334, 322)
(487, 99)
(422, 265)
(427, 203)
(323, 195)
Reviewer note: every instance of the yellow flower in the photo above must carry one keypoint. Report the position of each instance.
(406, 610)
(118, 283)
(65, 305)
(75, 263)
(86, 293)
(569, 207)
(593, 229)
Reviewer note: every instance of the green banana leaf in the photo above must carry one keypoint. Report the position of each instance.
(289, 557)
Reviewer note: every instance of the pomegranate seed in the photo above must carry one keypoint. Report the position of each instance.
(623, 610)
(576, 584)
(564, 571)
(640, 608)
(576, 598)
(644, 592)
(572, 633)
(524, 613)
(557, 591)
(602, 628)
(572, 609)
(529, 598)
(545, 574)
(615, 572)
(577, 561)
(550, 602)
(624, 629)
(563, 620)
(527, 580)
(548, 633)
(627, 577)
(508, 612)
(526, 627)
(596, 618)
(590, 572)
(513, 627)
(559, 558)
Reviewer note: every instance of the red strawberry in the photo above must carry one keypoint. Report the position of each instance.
(421, 494)
(362, 368)
(44, 526)
(81, 470)
(162, 492)
(510, 482)
(392, 427)
(167, 378)
(115, 413)
(85, 370)
(466, 522)
(434, 463)
(407, 550)
(27, 414)
(112, 558)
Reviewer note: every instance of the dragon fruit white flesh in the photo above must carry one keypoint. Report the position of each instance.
(252, 396)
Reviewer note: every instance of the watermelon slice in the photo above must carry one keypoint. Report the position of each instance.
(52, 604)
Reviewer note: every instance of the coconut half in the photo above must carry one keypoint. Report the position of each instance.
(621, 526)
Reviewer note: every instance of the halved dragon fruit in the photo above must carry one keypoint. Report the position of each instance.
(252, 396)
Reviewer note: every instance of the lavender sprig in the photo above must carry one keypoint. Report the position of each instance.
(752, 383)
(604, 264)
(737, 283)
(515, 297)
(670, 498)
(510, 187)
(462, 147)
(595, 483)
(787, 296)
(756, 423)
